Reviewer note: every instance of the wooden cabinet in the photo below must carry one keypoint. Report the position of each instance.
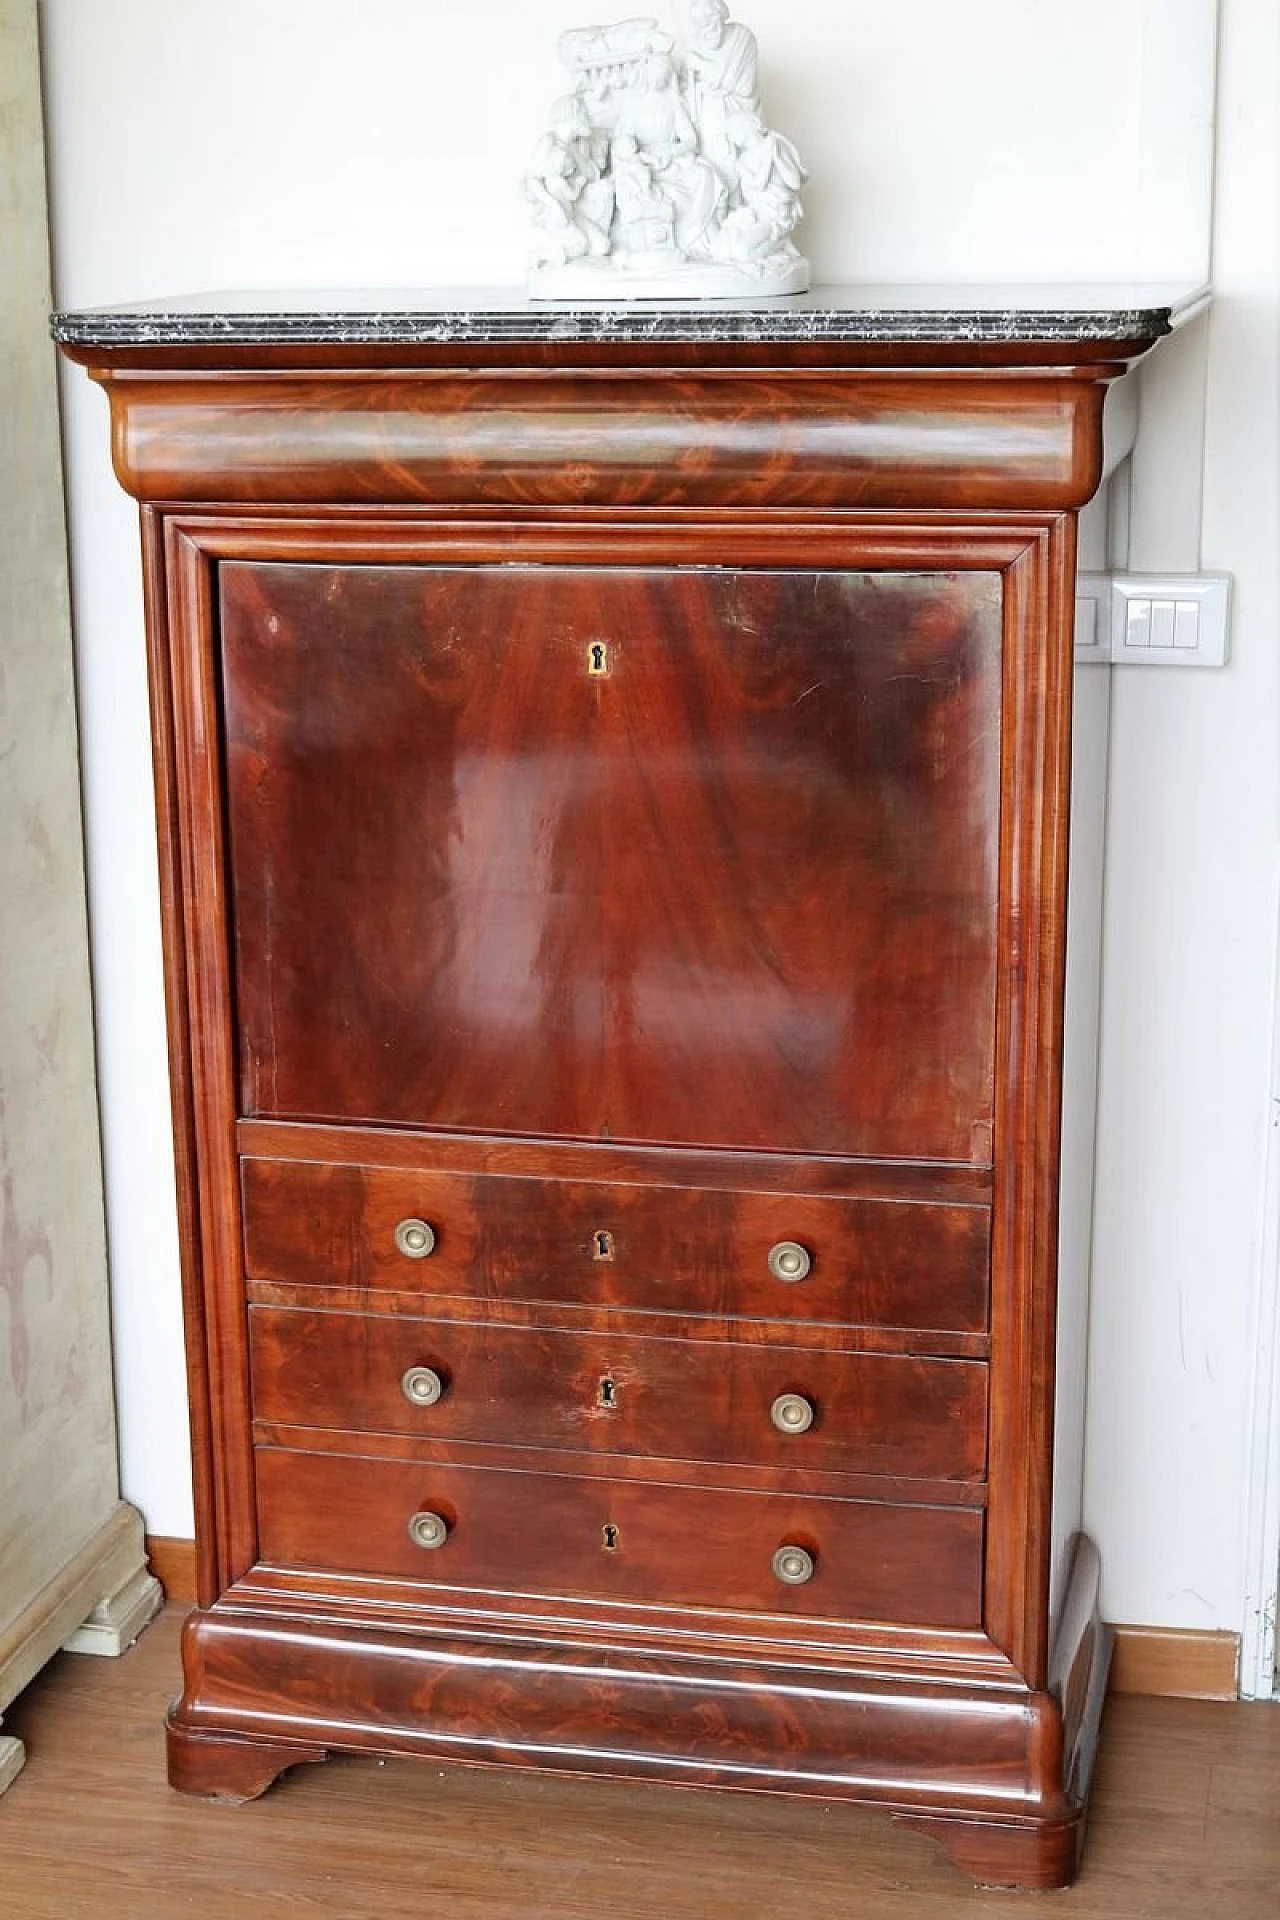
(613, 808)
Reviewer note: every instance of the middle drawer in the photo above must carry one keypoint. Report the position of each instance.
(766, 1405)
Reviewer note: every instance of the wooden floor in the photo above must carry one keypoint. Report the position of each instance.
(1186, 1821)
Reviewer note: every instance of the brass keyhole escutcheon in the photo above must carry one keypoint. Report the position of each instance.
(609, 1539)
(608, 1393)
(597, 659)
(602, 1246)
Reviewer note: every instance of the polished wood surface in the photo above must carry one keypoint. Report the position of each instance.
(514, 893)
(375, 1669)
(746, 927)
(668, 1546)
(1182, 1823)
(670, 1248)
(618, 438)
(808, 1725)
(623, 1166)
(619, 1395)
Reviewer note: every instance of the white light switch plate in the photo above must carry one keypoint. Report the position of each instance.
(1153, 620)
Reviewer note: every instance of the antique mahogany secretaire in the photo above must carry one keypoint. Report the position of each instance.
(612, 775)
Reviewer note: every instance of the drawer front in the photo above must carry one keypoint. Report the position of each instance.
(684, 1249)
(617, 1540)
(670, 1399)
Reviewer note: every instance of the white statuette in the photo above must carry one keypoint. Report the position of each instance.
(659, 178)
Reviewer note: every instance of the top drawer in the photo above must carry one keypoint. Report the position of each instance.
(680, 1249)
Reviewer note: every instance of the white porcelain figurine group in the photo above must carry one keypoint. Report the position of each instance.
(662, 178)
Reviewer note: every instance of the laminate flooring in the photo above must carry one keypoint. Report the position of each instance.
(1186, 1821)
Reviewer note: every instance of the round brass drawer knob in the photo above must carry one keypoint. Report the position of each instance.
(789, 1260)
(793, 1566)
(792, 1413)
(428, 1530)
(422, 1386)
(415, 1239)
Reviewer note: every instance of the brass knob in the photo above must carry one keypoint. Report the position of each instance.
(428, 1530)
(789, 1260)
(793, 1566)
(415, 1239)
(792, 1413)
(422, 1386)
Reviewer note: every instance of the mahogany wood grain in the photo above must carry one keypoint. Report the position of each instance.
(675, 1546)
(800, 538)
(868, 1649)
(935, 1752)
(618, 438)
(201, 1379)
(812, 1336)
(985, 1772)
(727, 1473)
(228, 1767)
(627, 1165)
(708, 1722)
(785, 887)
(217, 1354)
(1035, 817)
(516, 895)
(1181, 1824)
(615, 1395)
(1033, 1856)
(669, 1248)
(1078, 359)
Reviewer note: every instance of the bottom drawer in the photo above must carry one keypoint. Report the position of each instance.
(620, 1540)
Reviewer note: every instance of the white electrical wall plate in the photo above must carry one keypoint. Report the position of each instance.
(1153, 619)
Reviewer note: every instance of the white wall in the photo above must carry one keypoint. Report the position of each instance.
(1189, 964)
(199, 143)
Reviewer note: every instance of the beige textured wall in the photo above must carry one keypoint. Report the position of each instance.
(58, 1481)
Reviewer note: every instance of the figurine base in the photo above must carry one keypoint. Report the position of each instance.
(610, 281)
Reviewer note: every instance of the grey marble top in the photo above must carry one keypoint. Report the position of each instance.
(475, 315)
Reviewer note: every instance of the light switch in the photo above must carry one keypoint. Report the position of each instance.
(1137, 631)
(1162, 612)
(1186, 623)
(1152, 620)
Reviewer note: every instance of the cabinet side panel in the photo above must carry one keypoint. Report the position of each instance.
(1089, 747)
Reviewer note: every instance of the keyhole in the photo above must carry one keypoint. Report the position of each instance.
(609, 1539)
(608, 1395)
(602, 1246)
(597, 657)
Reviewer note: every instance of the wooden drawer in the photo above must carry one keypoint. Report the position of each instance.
(626, 1541)
(670, 1399)
(688, 1249)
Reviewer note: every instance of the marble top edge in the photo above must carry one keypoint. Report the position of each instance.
(496, 315)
